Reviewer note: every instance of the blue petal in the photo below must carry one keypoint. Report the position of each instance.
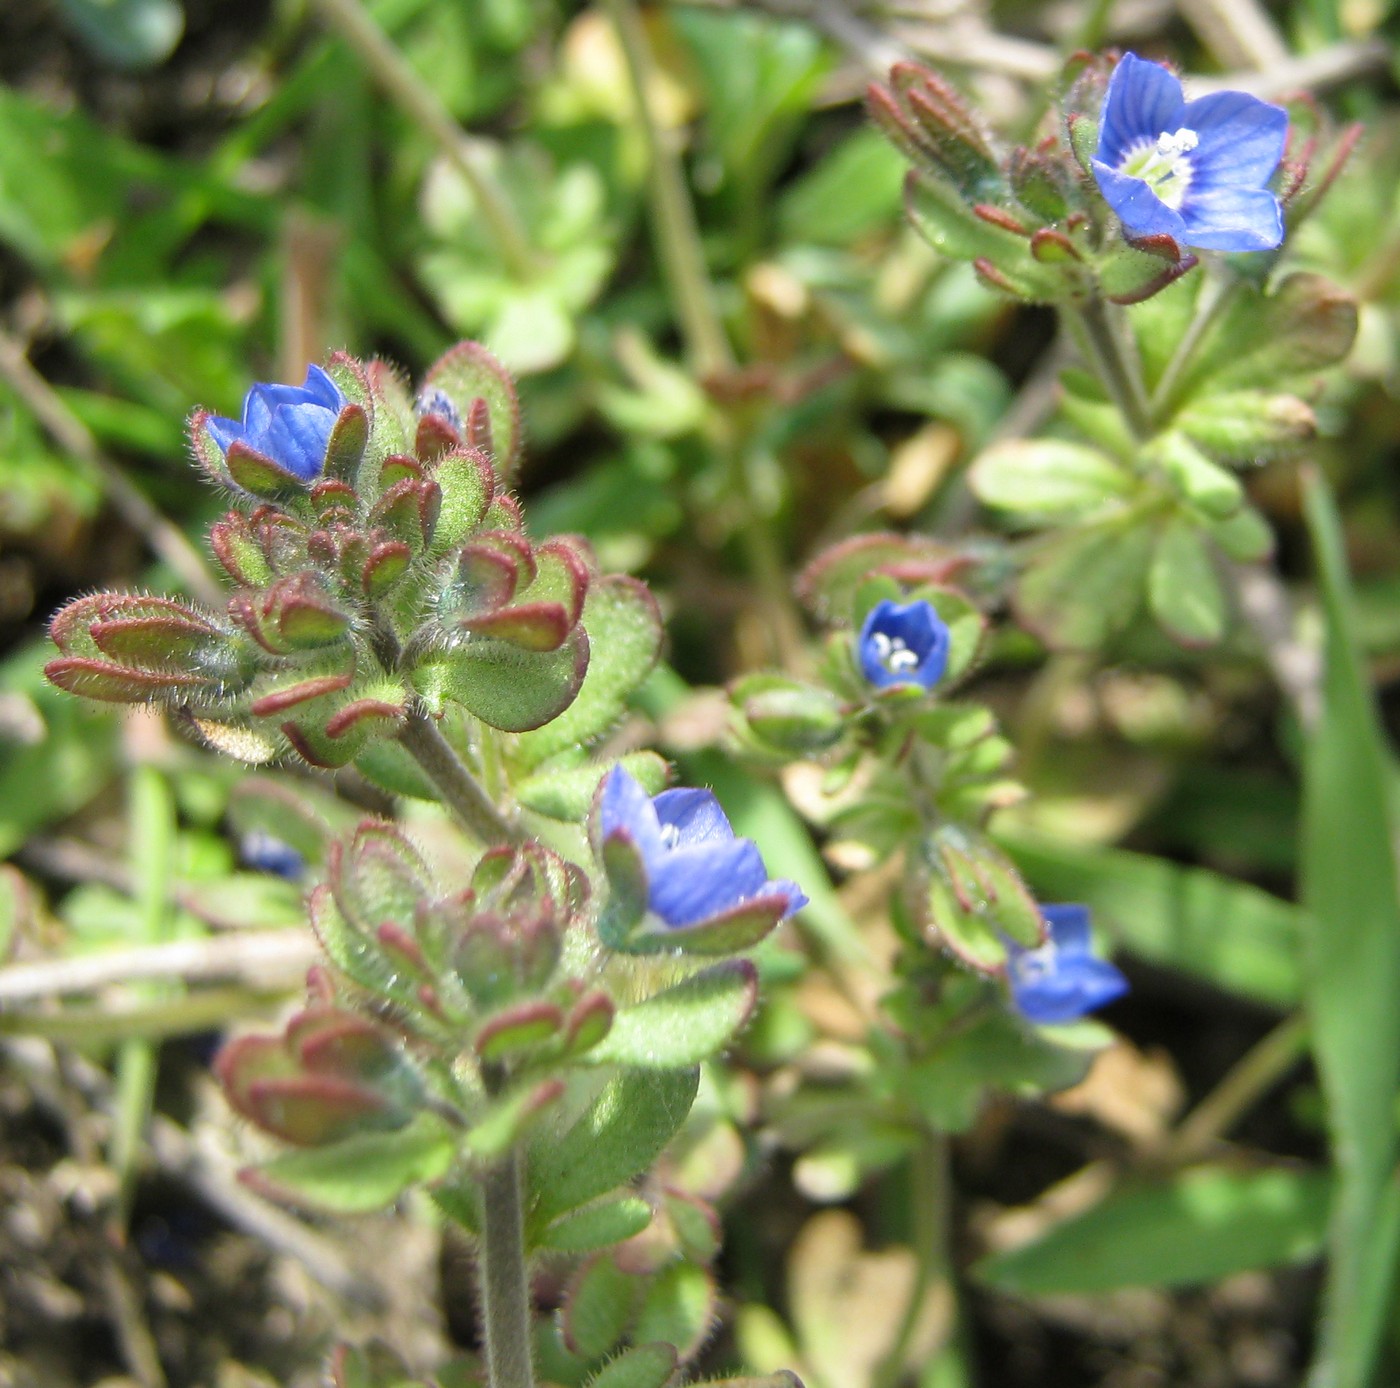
(297, 438)
(624, 807)
(223, 431)
(797, 898)
(1143, 100)
(1232, 219)
(1067, 925)
(688, 885)
(1140, 210)
(694, 814)
(1066, 994)
(323, 390)
(1240, 138)
(923, 632)
(258, 407)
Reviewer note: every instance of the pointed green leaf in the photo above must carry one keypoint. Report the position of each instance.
(1198, 1227)
(684, 1024)
(1352, 980)
(620, 1133)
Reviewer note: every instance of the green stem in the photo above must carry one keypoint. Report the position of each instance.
(424, 742)
(672, 214)
(1257, 1071)
(407, 89)
(1101, 341)
(1216, 295)
(152, 846)
(505, 1282)
(928, 1172)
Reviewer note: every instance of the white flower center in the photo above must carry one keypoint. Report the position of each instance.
(670, 836)
(1036, 965)
(894, 654)
(1165, 166)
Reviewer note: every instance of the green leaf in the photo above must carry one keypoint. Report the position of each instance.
(684, 1024)
(55, 766)
(1171, 916)
(679, 1309)
(646, 1366)
(566, 791)
(597, 1226)
(760, 74)
(1198, 481)
(999, 1052)
(1083, 585)
(1304, 323)
(1049, 480)
(620, 1133)
(365, 1172)
(624, 636)
(851, 190)
(1182, 587)
(512, 689)
(1201, 1226)
(599, 1306)
(1352, 979)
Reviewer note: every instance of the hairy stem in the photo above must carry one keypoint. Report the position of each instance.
(1215, 296)
(505, 1282)
(1101, 341)
(672, 215)
(407, 90)
(424, 742)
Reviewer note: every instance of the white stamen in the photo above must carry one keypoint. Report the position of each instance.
(893, 653)
(1183, 142)
(1164, 165)
(670, 835)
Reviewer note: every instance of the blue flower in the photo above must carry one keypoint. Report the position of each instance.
(696, 869)
(291, 425)
(1196, 171)
(264, 852)
(1061, 980)
(903, 645)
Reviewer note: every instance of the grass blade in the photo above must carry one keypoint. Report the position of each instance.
(1352, 982)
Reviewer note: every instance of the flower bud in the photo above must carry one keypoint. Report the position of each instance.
(292, 614)
(130, 648)
(329, 1075)
(789, 717)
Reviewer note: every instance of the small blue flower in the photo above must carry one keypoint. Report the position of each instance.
(696, 868)
(1196, 171)
(1061, 980)
(291, 425)
(264, 852)
(903, 645)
